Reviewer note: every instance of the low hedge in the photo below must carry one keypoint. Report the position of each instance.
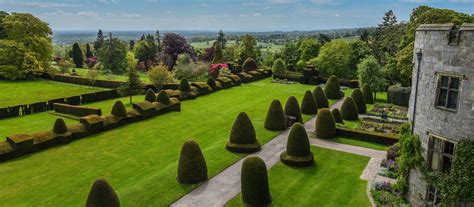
(76, 110)
(375, 137)
(163, 97)
(309, 105)
(254, 182)
(119, 109)
(399, 95)
(150, 95)
(102, 194)
(192, 166)
(184, 86)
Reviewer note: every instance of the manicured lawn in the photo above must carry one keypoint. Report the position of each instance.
(333, 181)
(360, 143)
(26, 92)
(140, 159)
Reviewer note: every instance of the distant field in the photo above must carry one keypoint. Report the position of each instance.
(263, 46)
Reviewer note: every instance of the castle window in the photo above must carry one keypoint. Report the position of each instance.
(448, 92)
(440, 155)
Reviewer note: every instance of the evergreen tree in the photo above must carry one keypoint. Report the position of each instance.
(323, 39)
(112, 55)
(89, 53)
(221, 40)
(131, 45)
(77, 56)
(3, 14)
(247, 48)
(365, 36)
(217, 56)
(99, 40)
(133, 85)
(158, 40)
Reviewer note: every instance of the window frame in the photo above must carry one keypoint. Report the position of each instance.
(441, 152)
(449, 90)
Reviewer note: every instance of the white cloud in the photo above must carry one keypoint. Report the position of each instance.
(257, 14)
(204, 5)
(34, 4)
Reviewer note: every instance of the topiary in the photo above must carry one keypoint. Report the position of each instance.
(60, 126)
(242, 136)
(337, 116)
(212, 83)
(254, 182)
(150, 95)
(368, 94)
(359, 101)
(184, 85)
(309, 105)
(292, 108)
(332, 89)
(320, 97)
(349, 109)
(298, 152)
(192, 166)
(119, 109)
(102, 195)
(163, 98)
(325, 124)
(249, 65)
(275, 119)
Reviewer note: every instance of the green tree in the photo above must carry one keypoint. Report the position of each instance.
(99, 40)
(308, 48)
(279, 66)
(16, 62)
(133, 85)
(370, 72)
(360, 50)
(290, 55)
(221, 40)
(217, 57)
(146, 50)
(112, 55)
(3, 14)
(77, 56)
(335, 58)
(387, 37)
(89, 53)
(159, 75)
(247, 48)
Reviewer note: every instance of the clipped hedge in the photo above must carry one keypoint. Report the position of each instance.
(76, 110)
(298, 152)
(249, 65)
(254, 182)
(309, 105)
(163, 98)
(119, 109)
(368, 94)
(337, 115)
(332, 88)
(349, 109)
(399, 95)
(192, 166)
(375, 137)
(325, 124)
(292, 108)
(359, 101)
(275, 119)
(212, 83)
(184, 85)
(320, 97)
(150, 95)
(243, 138)
(102, 194)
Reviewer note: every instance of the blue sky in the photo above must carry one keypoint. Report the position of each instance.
(229, 15)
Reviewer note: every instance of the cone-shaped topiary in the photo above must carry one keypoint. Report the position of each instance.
(367, 92)
(359, 100)
(254, 182)
(349, 109)
(184, 85)
(150, 95)
(60, 127)
(275, 117)
(163, 98)
(292, 108)
(242, 136)
(325, 124)
(337, 116)
(332, 89)
(298, 152)
(102, 195)
(320, 97)
(212, 83)
(119, 109)
(249, 65)
(192, 166)
(309, 105)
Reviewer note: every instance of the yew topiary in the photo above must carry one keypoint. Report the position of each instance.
(60, 126)
(150, 95)
(119, 109)
(275, 119)
(368, 94)
(349, 109)
(309, 105)
(102, 195)
(254, 182)
(192, 166)
(325, 124)
(249, 65)
(332, 89)
(243, 138)
(337, 116)
(359, 100)
(320, 97)
(212, 83)
(292, 108)
(298, 152)
(184, 85)
(163, 98)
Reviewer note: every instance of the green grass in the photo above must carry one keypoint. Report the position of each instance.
(140, 159)
(26, 92)
(360, 143)
(82, 72)
(333, 181)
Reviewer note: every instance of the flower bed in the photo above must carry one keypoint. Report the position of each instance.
(392, 111)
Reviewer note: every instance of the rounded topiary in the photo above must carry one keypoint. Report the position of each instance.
(320, 97)
(349, 109)
(309, 105)
(254, 182)
(359, 100)
(102, 195)
(368, 94)
(249, 65)
(60, 126)
(212, 83)
(119, 109)
(332, 89)
(292, 108)
(298, 152)
(150, 95)
(242, 136)
(337, 116)
(275, 119)
(163, 98)
(192, 166)
(325, 124)
(184, 85)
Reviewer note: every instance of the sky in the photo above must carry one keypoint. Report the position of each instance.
(228, 15)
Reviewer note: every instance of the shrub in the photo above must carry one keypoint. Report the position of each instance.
(119, 109)
(254, 182)
(249, 65)
(320, 97)
(332, 89)
(349, 109)
(325, 124)
(337, 115)
(368, 94)
(392, 152)
(359, 101)
(102, 194)
(298, 151)
(292, 108)
(163, 98)
(150, 95)
(275, 119)
(184, 86)
(160, 75)
(60, 127)
(279, 66)
(212, 83)
(192, 166)
(242, 136)
(309, 105)
(399, 95)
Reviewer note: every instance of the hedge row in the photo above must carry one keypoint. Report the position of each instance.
(76, 110)
(399, 95)
(306, 78)
(375, 137)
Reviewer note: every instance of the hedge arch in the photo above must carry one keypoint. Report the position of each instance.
(320, 97)
(298, 152)
(309, 105)
(332, 88)
(119, 109)
(192, 166)
(368, 94)
(359, 100)
(325, 124)
(184, 85)
(337, 116)
(163, 98)
(249, 65)
(254, 182)
(349, 109)
(243, 138)
(60, 126)
(292, 108)
(150, 95)
(102, 195)
(275, 119)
